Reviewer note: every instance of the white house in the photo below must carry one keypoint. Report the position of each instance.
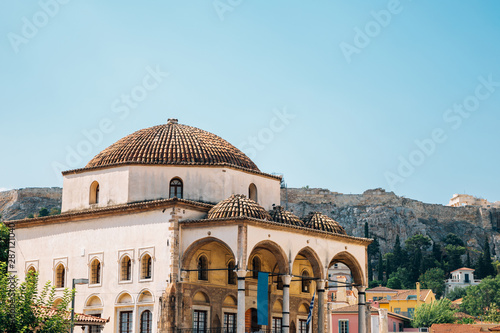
(461, 278)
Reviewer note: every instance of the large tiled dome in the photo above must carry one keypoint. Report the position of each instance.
(172, 144)
(318, 221)
(238, 205)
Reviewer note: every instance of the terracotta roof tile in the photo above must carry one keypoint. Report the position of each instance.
(238, 205)
(280, 215)
(382, 289)
(454, 328)
(403, 294)
(463, 269)
(319, 221)
(172, 144)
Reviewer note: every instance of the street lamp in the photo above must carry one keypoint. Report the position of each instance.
(75, 282)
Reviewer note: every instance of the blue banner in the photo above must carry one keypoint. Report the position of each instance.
(262, 299)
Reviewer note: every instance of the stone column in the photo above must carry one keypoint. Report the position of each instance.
(286, 303)
(362, 320)
(321, 306)
(383, 324)
(240, 318)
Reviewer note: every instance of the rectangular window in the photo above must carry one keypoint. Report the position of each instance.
(229, 323)
(95, 328)
(394, 327)
(411, 312)
(397, 310)
(466, 275)
(199, 321)
(276, 325)
(302, 326)
(344, 326)
(126, 322)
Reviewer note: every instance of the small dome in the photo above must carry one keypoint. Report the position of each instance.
(280, 215)
(318, 221)
(238, 205)
(172, 144)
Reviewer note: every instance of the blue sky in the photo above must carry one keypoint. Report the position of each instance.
(344, 95)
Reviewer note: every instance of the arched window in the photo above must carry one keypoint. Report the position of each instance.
(256, 267)
(231, 274)
(306, 282)
(94, 193)
(95, 272)
(31, 270)
(176, 188)
(126, 269)
(202, 268)
(146, 266)
(252, 192)
(146, 322)
(60, 276)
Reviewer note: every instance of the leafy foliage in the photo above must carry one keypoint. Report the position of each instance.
(456, 293)
(23, 310)
(433, 279)
(437, 312)
(481, 298)
(400, 279)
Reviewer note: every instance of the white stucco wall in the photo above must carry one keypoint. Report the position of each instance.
(76, 243)
(137, 183)
(113, 188)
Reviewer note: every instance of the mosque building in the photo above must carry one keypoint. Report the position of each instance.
(172, 225)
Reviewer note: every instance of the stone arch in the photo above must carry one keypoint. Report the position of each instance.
(57, 302)
(350, 261)
(230, 300)
(191, 250)
(314, 260)
(124, 298)
(93, 301)
(31, 268)
(145, 296)
(201, 297)
(276, 250)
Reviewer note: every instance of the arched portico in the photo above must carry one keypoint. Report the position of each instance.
(360, 282)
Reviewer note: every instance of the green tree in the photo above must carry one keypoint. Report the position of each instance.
(454, 254)
(399, 258)
(433, 279)
(437, 312)
(482, 297)
(453, 239)
(31, 309)
(4, 242)
(486, 264)
(380, 268)
(55, 211)
(415, 245)
(400, 279)
(456, 293)
(43, 212)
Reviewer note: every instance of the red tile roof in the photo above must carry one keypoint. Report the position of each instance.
(238, 205)
(382, 289)
(403, 294)
(463, 269)
(373, 310)
(455, 328)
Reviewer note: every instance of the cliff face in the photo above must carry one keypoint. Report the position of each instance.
(18, 204)
(389, 215)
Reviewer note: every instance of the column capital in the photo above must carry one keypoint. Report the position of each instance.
(287, 279)
(361, 289)
(241, 273)
(321, 284)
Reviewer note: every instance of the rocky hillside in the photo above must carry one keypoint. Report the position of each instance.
(18, 204)
(389, 215)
